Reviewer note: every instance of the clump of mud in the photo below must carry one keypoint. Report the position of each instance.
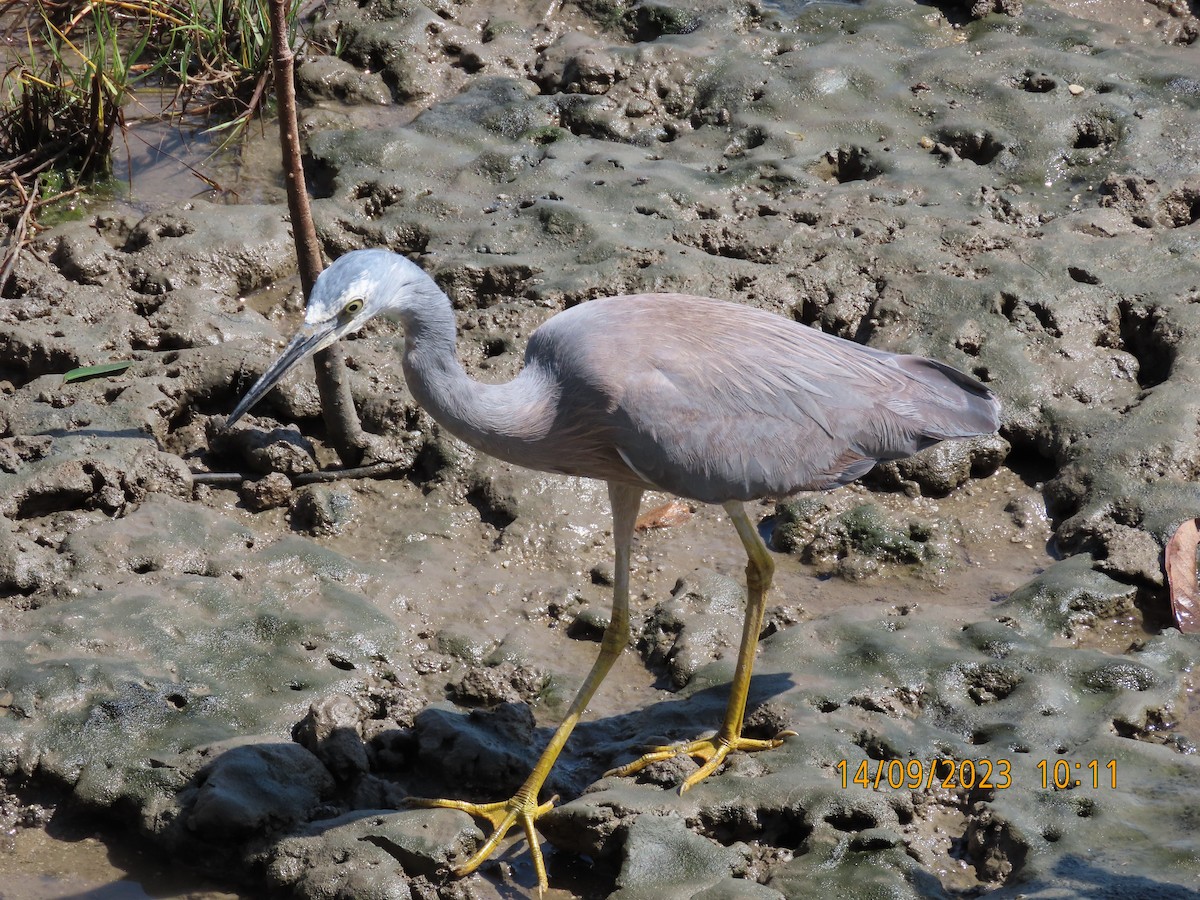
(255, 668)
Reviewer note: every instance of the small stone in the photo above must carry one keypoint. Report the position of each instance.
(267, 492)
(1075, 89)
(321, 509)
(638, 107)
(330, 732)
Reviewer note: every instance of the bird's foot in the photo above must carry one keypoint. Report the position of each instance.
(711, 753)
(503, 816)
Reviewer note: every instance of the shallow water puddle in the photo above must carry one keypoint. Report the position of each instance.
(159, 160)
(36, 866)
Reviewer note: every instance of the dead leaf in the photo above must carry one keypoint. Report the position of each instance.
(1180, 563)
(674, 513)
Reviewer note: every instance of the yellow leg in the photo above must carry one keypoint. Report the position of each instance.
(712, 751)
(523, 806)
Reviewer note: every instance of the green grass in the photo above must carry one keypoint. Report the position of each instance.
(218, 53)
(61, 101)
(76, 64)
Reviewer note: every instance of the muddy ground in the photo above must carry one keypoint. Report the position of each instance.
(241, 669)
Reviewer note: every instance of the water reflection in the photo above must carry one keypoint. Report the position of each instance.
(160, 158)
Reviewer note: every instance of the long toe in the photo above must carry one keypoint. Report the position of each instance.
(502, 815)
(710, 752)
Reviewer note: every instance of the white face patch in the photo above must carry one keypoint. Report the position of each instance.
(326, 304)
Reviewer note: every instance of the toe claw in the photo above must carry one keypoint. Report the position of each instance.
(711, 752)
(502, 815)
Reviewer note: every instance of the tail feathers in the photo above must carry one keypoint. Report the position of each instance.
(952, 404)
(940, 403)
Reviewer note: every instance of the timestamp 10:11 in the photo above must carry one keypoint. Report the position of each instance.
(1061, 774)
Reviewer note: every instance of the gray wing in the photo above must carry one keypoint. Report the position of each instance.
(716, 401)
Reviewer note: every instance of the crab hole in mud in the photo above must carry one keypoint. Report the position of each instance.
(730, 824)
(492, 510)
(851, 820)
(1143, 333)
(847, 164)
(977, 146)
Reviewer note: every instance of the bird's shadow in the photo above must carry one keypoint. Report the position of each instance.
(1090, 880)
(275, 790)
(485, 754)
(475, 754)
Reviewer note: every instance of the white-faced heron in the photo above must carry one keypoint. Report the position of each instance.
(701, 398)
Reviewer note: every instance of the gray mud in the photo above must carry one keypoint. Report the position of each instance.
(248, 676)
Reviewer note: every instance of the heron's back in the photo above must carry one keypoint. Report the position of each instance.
(716, 401)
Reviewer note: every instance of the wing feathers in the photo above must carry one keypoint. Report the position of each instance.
(717, 401)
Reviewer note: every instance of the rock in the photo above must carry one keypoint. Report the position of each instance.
(943, 467)
(454, 747)
(330, 78)
(268, 492)
(321, 509)
(662, 855)
(248, 790)
(282, 450)
(330, 732)
(862, 541)
(1071, 595)
(387, 849)
(502, 683)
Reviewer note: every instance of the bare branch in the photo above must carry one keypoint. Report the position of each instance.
(337, 405)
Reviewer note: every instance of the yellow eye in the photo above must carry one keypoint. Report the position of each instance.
(352, 308)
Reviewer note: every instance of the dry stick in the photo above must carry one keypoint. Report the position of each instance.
(18, 235)
(337, 405)
(375, 470)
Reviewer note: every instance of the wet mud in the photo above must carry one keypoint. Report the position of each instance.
(246, 671)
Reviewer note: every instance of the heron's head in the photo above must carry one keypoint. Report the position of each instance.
(356, 288)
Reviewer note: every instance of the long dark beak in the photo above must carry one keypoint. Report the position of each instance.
(307, 341)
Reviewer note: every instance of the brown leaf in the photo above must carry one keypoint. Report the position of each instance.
(1180, 563)
(674, 513)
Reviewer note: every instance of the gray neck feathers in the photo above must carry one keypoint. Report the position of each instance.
(499, 419)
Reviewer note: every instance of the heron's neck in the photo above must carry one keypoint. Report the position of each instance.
(496, 418)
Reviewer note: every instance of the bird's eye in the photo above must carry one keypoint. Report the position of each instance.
(352, 307)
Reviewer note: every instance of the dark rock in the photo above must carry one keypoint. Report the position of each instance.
(321, 509)
(268, 492)
(330, 732)
(254, 789)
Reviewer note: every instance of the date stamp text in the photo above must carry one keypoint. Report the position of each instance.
(972, 774)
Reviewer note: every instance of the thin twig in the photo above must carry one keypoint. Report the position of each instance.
(18, 239)
(375, 470)
(220, 478)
